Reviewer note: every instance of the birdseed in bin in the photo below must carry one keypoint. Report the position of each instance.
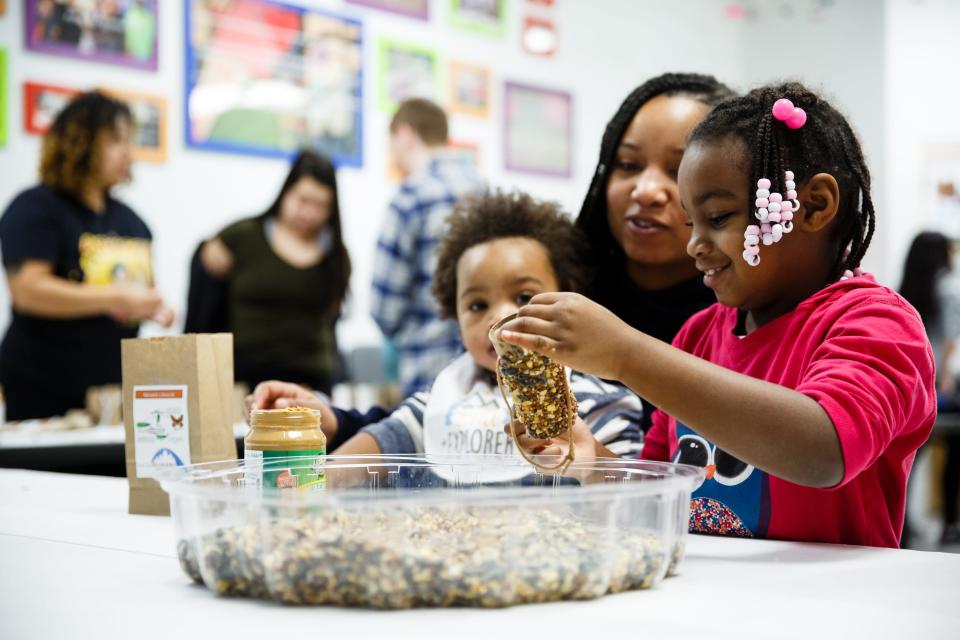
(396, 532)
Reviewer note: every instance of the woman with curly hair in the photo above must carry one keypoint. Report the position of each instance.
(77, 263)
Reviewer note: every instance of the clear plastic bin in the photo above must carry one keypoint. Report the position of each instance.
(406, 531)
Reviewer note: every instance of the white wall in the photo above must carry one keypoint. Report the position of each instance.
(839, 53)
(607, 47)
(922, 101)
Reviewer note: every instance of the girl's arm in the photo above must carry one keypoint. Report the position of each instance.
(216, 258)
(774, 428)
(36, 290)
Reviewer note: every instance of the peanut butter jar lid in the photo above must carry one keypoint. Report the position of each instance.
(291, 418)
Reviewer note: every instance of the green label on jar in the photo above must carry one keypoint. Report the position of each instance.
(286, 469)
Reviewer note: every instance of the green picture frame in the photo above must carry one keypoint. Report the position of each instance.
(484, 17)
(405, 70)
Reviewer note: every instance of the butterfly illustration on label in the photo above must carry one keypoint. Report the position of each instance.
(176, 421)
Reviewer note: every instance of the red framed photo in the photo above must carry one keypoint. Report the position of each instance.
(42, 103)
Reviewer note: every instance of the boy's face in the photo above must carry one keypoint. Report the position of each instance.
(495, 279)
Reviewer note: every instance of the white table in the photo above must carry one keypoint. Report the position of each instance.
(96, 450)
(73, 564)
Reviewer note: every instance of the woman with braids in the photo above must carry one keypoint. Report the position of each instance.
(78, 265)
(806, 391)
(632, 216)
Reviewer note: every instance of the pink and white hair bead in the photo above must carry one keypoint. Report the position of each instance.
(774, 210)
(775, 214)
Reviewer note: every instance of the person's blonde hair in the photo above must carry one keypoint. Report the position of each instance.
(70, 157)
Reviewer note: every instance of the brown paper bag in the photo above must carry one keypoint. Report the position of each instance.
(177, 409)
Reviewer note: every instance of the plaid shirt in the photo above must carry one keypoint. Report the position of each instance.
(402, 305)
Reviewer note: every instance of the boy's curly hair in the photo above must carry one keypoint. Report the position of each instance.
(70, 158)
(494, 215)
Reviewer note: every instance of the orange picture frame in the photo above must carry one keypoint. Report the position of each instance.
(150, 115)
(469, 89)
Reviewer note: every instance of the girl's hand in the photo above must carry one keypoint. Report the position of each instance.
(586, 447)
(574, 331)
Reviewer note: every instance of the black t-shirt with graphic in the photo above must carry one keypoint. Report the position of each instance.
(47, 364)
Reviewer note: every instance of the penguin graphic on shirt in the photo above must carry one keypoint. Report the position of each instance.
(734, 500)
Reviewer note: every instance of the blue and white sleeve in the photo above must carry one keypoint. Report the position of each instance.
(612, 412)
(401, 431)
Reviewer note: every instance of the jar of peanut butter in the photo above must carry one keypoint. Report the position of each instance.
(285, 449)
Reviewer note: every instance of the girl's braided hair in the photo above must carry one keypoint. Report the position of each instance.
(825, 144)
(608, 255)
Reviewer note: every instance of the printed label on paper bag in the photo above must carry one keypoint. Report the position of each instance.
(161, 428)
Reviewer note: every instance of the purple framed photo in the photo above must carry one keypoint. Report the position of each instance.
(123, 33)
(538, 130)
(419, 9)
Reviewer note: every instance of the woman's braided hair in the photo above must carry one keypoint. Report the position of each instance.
(608, 256)
(825, 144)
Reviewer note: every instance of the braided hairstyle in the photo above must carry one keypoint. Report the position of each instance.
(608, 255)
(825, 144)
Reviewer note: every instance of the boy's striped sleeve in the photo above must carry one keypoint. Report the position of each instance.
(611, 411)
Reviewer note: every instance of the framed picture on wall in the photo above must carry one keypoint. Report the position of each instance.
(412, 8)
(538, 130)
(469, 152)
(3, 97)
(469, 89)
(406, 71)
(42, 103)
(486, 17)
(150, 123)
(266, 78)
(539, 36)
(114, 32)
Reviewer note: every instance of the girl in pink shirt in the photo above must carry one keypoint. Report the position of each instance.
(806, 391)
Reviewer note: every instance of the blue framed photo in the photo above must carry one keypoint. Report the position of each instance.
(267, 78)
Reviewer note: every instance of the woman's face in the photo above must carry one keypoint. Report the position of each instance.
(307, 206)
(643, 203)
(116, 154)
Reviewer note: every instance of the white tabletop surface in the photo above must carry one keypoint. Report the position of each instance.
(73, 564)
